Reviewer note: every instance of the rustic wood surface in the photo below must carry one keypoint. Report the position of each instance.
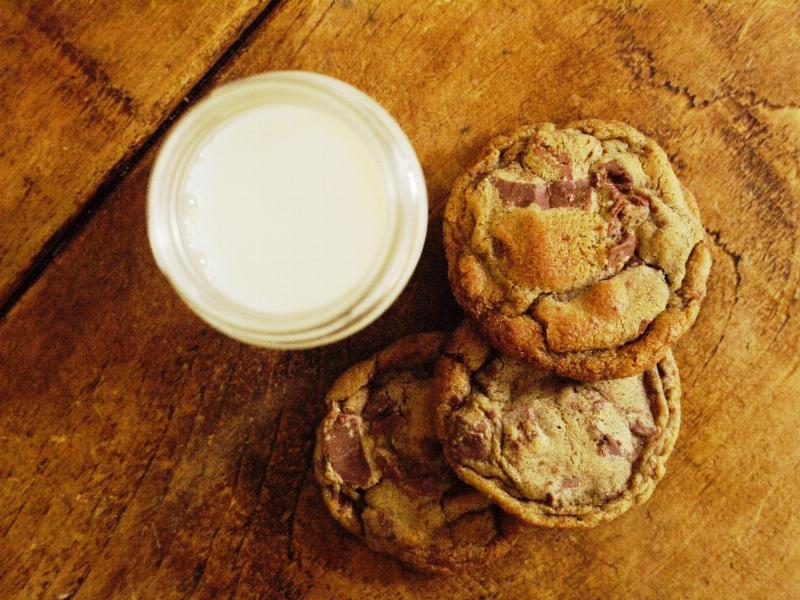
(143, 455)
(82, 84)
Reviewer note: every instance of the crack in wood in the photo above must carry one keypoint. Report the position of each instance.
(16, 516)
(298, 492)
(633, 55)
(311, 32)
(256, 506)
(137, 486)
(238, 470)
(735, 258)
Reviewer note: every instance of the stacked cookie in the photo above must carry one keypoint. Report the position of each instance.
(580, 259)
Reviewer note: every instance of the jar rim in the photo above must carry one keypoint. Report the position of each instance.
(402, 176)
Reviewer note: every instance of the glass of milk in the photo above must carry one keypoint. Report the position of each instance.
(287, 209)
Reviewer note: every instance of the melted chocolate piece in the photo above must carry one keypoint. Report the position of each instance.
(619, 203)
(618, 177)
(565, 165)
(541, 195)
(381, 415)
(640, 199)
(345, 452)
(614, 227)
(619, 183)
(470, 441)
(555, 194)
(569, 193)
(515, 193)
(618, 254)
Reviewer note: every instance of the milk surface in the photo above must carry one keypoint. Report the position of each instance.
(284, 209)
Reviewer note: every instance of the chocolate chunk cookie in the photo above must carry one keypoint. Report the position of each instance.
(577, 248)
(554, 451)
(382, 472)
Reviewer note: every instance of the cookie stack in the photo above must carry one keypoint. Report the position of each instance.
(580, 260)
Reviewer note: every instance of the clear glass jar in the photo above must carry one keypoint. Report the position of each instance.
(402, 243)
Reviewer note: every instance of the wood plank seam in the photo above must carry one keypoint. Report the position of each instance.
(74, 225)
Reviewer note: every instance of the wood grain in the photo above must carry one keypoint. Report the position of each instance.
(82, 84)
(144, 455)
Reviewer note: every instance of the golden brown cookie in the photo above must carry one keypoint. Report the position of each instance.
(382, 472)
(555, 452)
(577, 248)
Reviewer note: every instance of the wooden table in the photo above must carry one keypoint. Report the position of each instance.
(144, 455)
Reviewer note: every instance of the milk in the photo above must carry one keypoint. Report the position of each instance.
(284, 209)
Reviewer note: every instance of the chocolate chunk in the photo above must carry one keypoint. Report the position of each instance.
(618, 176)
(618, 254)
(345, 452)
(640, 199)
(522, 194)
(565, 165)
(470, 441)
(642, 429)
(618, 205)
(381, 416)
(555, 194)
(569, 193)
(541, 195)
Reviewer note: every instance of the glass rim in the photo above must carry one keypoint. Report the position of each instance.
(367, 119)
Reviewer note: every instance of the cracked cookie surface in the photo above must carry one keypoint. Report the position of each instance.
(577, 248)
(382, 471)
(554, 451)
